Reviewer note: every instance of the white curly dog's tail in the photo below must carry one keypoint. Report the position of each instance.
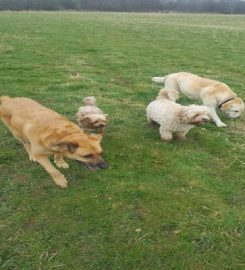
(168, 94)
(89, 101)
(158, 79)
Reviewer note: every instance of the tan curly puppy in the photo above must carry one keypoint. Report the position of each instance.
(90, 118)
(173, 117)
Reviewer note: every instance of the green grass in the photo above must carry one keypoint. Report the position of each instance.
(158, 206)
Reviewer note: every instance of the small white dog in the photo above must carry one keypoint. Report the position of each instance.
(214, 94)
(90, 117)
(173, 117)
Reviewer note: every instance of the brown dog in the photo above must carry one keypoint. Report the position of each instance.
(44, 132)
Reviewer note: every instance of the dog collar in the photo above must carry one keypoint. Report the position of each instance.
(223, 102)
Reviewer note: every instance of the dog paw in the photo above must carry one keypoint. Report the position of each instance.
(166, 140)
(61, 181)
(31, 158)
(181, 138)
(221, 125)
(62, 165)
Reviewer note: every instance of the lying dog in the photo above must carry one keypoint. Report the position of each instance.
(90, 118)
(173, 117)
(44, 132)
(213, 94)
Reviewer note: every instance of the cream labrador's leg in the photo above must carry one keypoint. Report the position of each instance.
(215, 117)
(58, 177)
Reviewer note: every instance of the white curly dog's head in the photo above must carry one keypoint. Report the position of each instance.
(197, 115)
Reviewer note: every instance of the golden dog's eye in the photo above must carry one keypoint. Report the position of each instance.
(88, 156)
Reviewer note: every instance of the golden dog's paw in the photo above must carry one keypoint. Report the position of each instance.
(62, 164)
(31, 158)
(61, 181)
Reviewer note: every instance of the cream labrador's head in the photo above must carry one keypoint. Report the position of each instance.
(233, 108)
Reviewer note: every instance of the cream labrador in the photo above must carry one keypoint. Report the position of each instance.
(214, 94)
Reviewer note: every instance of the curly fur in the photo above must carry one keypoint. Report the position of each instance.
(90, 118)
(173, 117)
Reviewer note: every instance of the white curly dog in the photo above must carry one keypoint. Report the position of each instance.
(173, 117)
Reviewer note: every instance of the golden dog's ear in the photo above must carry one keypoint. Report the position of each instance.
(65, 147)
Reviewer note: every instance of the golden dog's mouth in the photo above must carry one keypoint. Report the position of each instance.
(93, 166)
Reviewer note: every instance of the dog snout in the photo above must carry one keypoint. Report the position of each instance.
(98, 163)
(103, 165)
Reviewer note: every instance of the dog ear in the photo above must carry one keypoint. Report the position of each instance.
(86, 119)
(65, 147)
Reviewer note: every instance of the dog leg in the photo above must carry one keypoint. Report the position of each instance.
(59, 161)
(58, 177)
(153, 124)
(166, 136)
(181, 136)
(215, 117)
(27, 146)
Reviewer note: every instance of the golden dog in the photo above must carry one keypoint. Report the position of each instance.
(214, 94)
(44, 132)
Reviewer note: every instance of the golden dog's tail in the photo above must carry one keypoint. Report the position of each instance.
(89, 101)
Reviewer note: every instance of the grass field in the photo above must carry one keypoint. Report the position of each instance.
(158, 206)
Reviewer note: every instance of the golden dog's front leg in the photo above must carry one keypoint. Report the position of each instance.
(58, 177)
(59, 161)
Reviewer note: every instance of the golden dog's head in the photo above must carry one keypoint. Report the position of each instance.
(83, 148)
(234, 107)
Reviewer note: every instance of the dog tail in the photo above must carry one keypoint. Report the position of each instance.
(168, 94)
(159, 79)
(89, 101)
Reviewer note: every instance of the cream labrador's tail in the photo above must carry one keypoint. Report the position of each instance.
(158, 79)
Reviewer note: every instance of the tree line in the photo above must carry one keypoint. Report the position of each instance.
(215, 6)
